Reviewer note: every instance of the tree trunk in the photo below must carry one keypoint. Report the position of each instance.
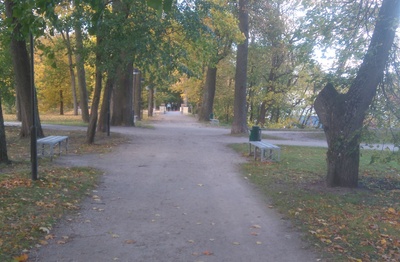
(22, 72)
(83, 103)
(239, 124)
(342, 115)
(61, 103)
(150, 101)
(105, 111)
(208, 94)
(262, 114)
(91, 131)
(18, 107)
(3, 142)
(122, 97)
(71, 71)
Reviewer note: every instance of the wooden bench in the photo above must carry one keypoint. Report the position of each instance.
(267, 151)
(47, 144)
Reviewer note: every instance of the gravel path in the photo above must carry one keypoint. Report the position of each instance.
(173, 193)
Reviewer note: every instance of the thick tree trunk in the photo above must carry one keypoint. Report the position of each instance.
(122, 107)
(22, 73)
(18, 107)
(239, 124)
(342, 115)
(83, 103)
(3, 142)
(208, 94)
(122, 114)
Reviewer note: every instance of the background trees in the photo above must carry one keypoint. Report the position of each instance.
(193, 53)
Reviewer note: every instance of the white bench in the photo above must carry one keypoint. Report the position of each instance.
(267, 151)
(46, 145)
(214, 122)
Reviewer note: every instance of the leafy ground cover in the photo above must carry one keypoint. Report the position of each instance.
(29, 209)
(360, 224)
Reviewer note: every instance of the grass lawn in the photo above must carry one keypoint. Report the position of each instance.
(345, 224)
(67, 119)
(29, 209)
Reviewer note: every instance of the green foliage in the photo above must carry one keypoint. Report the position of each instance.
(52, 77)
(7, 93)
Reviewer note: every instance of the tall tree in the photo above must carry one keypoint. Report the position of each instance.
(225, 31)
(239, 124)
(80, 63)
(91, 131)
(22, 70)
(122, 90)
(343, 114)
(71, 67)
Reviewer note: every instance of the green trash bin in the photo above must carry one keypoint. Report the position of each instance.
(255, 133)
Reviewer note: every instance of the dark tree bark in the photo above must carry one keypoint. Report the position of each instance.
(18, 107)
(3, 142)
(150, 101)
(91, 131)
(137, 94)
(61, 103)
(71, 70)
(22, 71)
(122, 97)
(122, 114)
(239, 124)
(343, 114)
(105, 111)
(83, 102)
(208, 94)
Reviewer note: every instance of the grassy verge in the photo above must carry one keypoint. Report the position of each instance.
(56, 119)
(29, 209)
(345, 224)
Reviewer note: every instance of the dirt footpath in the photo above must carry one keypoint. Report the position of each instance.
(173, 193)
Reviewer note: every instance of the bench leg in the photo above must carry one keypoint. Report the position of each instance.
(66, 146)
(262, 155)
(59, 148)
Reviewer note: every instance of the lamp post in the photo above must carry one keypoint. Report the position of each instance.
(136, 95)
(34, 164)
(108, 90)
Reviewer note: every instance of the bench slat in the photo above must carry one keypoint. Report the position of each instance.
(52, 141)
(274, 151)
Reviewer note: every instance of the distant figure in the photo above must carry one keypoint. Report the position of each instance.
(168, 107)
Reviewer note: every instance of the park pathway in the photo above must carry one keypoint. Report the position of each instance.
(173, 193)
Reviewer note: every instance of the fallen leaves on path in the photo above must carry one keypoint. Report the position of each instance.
(21, 258)
(208, 253)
